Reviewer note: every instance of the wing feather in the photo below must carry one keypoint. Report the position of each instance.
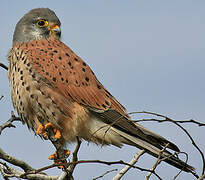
(71, 75)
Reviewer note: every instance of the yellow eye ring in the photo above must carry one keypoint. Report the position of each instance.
(42, 23)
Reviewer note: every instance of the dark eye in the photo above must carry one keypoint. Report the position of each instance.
(42, 23)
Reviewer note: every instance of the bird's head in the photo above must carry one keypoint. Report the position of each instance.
(40, 23)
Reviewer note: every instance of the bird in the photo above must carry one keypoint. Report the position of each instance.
(51, 86)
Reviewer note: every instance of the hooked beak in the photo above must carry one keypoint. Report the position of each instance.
(55, 31)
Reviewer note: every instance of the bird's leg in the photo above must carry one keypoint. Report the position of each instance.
(49, 131)
(60, 155)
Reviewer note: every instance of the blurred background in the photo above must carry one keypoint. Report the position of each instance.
(148, 54)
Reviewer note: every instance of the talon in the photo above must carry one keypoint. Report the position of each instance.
(59, 162)
(56, 131)
(53, 156)
(67, 153)
(40, 129)
(48, 125)
(45, 135)
(57, 134)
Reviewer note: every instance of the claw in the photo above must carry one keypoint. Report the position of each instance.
(54, 157)
(48, 125)
(59, 162)
(57, 134)
(67, 153)
(45, 135)
(41, 130)
(56, 131)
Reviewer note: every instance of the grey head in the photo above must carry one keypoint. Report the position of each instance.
(40, 23)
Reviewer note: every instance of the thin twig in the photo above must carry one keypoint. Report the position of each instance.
(202, 177)
(4, 66)
(69, 171)
(159, 115)
(109, 163)
(62, 176)
(8, 172)
(175, 177)
(1, 97)
(177, 121)
(8, 124)
(126, 168)
(3, 167)
(10, 159)
(167, 119)
(75, 156)
(30, 171)
(159, 160)
(107, 172)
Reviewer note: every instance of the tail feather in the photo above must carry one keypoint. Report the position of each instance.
(136, 135)
(155, 151)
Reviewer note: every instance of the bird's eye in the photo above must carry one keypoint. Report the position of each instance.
(42, 23)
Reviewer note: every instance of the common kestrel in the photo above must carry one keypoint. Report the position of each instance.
(52, 86)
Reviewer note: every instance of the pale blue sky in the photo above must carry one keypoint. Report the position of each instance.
(148, 54)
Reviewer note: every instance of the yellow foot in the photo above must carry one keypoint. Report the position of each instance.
(56, 131)
(59, 162)
(42, 130)
(54, 156)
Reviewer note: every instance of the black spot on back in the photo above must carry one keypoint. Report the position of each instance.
(87, 79)
(98, 86)
(106, 102)
(28, 88)
(67, 54)
(54, 79)
(104, 106)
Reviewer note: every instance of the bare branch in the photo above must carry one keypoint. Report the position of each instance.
(202, 177)
(175, 177)
(4, 66)
(75, 158)
(15, 161)
(3, 167)
(31, 173)
(63, 175)
(1, 97)
(109, 163)
(177, 121)
(159, 160)
(56, 142)
(69, 171)
(167, 119)
(126, 168)
(8, 172)
(8, 123)
(107, 172)
(58, 145)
